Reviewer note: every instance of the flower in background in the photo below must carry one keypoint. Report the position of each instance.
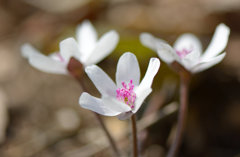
(126, 96)
(187, 50)
(87, 49)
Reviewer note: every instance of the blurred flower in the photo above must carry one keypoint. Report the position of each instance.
(126, 96)
(87, 49)
(187, 50)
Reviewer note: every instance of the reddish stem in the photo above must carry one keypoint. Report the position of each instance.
(134, 134)
(182, 116)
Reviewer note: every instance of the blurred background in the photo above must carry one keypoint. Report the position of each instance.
(39, 112)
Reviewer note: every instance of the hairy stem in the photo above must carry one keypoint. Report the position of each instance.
(182, 116)
(134, 134)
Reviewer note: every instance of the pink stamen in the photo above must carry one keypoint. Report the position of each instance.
(183, 52)
(126, 94)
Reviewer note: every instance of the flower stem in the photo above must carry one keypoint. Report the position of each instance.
(182, 116)
(134, 134)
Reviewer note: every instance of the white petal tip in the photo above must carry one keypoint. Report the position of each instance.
(114, 32)
(156, 62)
(144, 35)
(115, 35)
(145, 38)
(65, 43)
(26, 50)
(188, 35)
(70, 39)
(128, 54)
(86, 23)
(25, 45)
(224, 27)
(82, 98)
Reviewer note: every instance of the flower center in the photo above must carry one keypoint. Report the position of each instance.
(182, 53)
(126, 94)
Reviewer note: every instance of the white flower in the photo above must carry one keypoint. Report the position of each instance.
(126, 96)
(87, 49)
(187, 50)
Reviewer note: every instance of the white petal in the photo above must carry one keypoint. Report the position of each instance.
(141, 96)
(218, 42)
(164, 50)
(190, 43)
(152, 70)
(144, 89)
(27, 50)
(207, 64)
(42, 62)
(69, 48)
(48, 65)
(150, 41)
(101, 80)
(103, 48)
(116, 105)
(97, 105)
(127, 69)
(86, 36)
(167, 53)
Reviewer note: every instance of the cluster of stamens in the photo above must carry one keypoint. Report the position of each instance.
(126, 94)
(182, 53)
